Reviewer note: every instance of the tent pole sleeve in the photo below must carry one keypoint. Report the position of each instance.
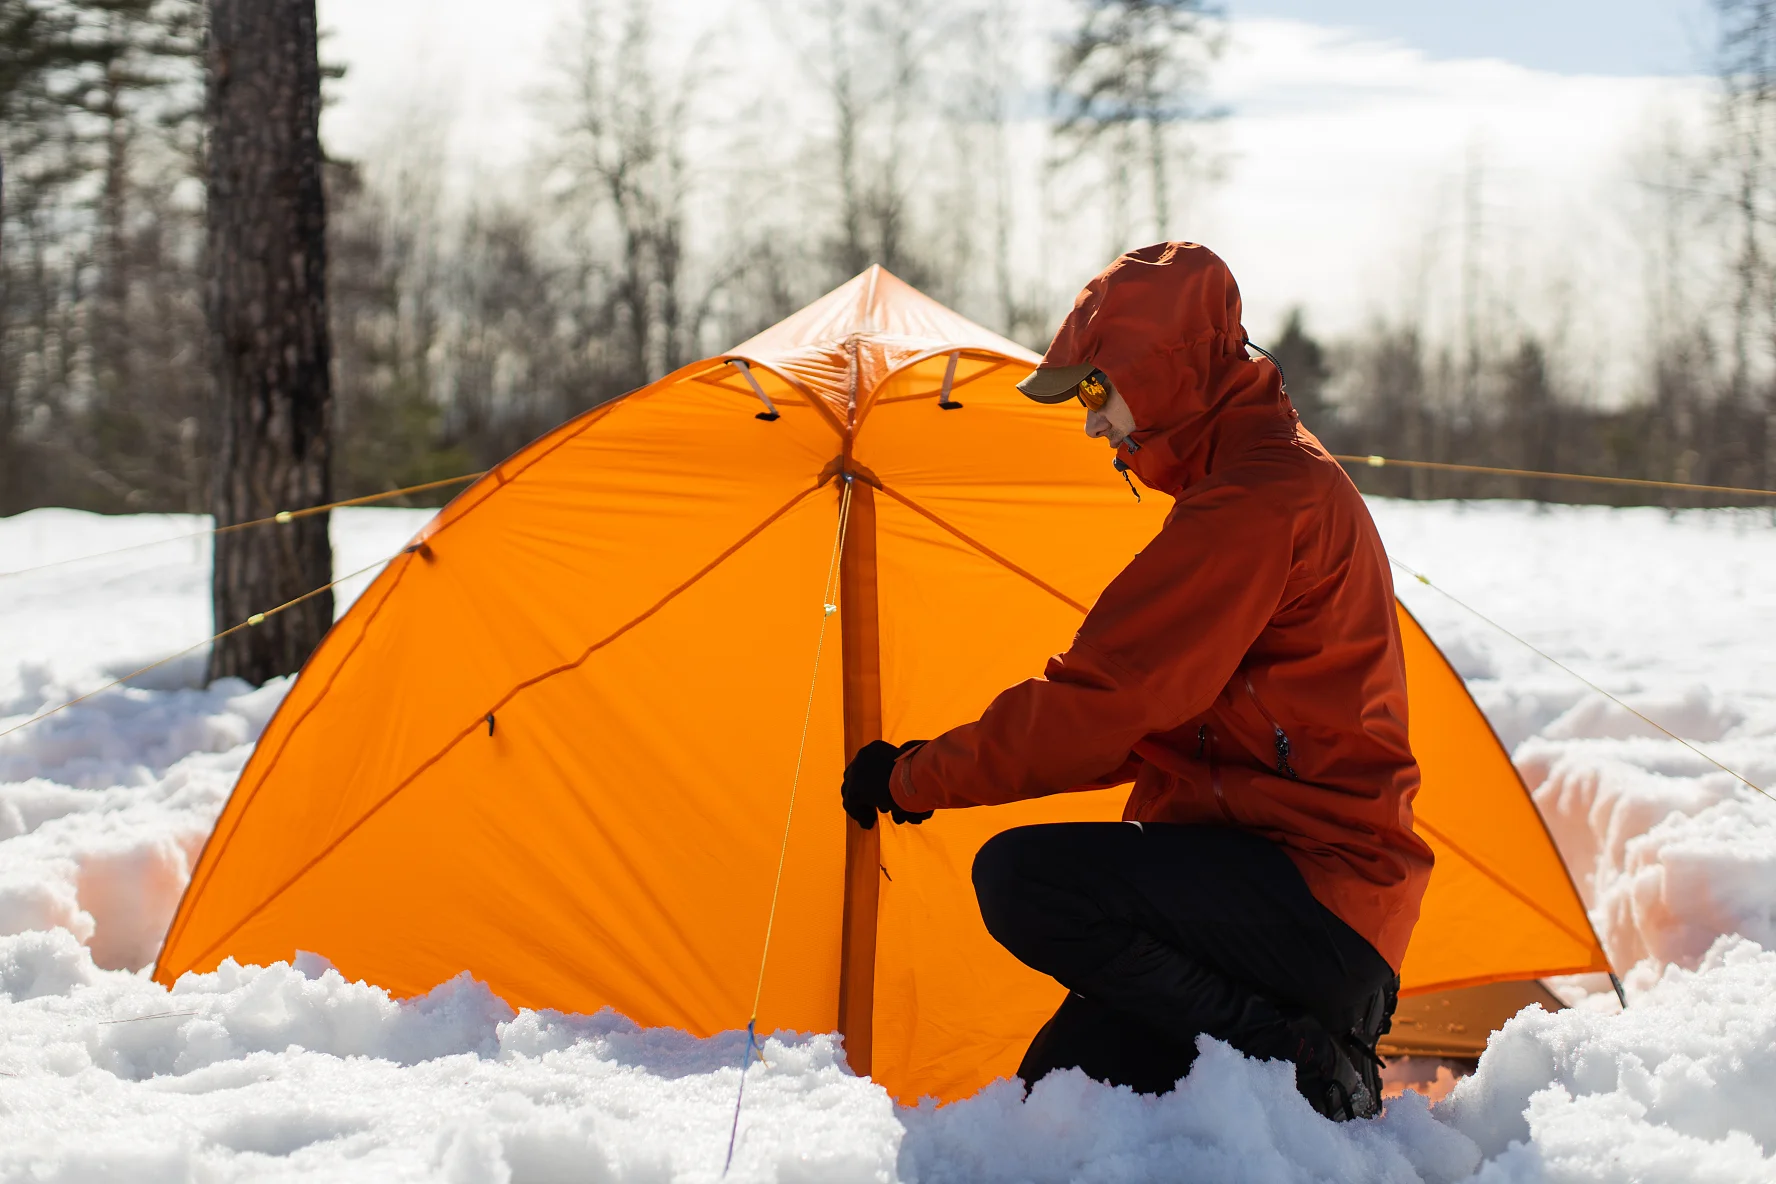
(861, 642)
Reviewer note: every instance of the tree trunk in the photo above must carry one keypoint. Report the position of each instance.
(267, 307)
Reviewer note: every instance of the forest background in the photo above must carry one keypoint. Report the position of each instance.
(688, 176)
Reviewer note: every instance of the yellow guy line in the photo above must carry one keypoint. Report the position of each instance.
(1376, 462)
(282, 517)
(1556, 662)
(255, 619)
(828, 606)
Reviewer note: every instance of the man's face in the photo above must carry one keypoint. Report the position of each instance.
(1112, 422)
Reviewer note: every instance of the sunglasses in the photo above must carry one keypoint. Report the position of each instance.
(1093, 391)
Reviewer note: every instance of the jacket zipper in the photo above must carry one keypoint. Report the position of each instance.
(1279, 738)
(1205, 746)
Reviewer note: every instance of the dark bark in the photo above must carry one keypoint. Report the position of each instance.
(268, 325)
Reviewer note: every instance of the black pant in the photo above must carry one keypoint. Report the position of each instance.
(1243, 943)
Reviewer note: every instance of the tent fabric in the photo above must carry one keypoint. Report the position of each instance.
(553, 743)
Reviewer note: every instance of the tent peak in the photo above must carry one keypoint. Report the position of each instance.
(875, 303)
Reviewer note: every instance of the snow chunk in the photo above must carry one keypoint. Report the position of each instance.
(1675, 1088)
(35, 964)
(238, 1010)
(1231, 1119)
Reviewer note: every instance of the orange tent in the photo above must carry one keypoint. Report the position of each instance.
(553, 743)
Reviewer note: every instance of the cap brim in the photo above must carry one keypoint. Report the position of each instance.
(1054, 384)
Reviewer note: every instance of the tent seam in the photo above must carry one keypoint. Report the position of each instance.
(475, 726)
(987, 551)
(999, 364)
(502, 479)
(999, 358)
(815, 401)
(1547, 832)
(195, 887)
(586, 419)
(1502, 883)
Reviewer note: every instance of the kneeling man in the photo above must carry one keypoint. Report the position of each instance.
(1244, 671)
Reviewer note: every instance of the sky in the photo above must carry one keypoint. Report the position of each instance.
(1367, 141)
(1614, 37)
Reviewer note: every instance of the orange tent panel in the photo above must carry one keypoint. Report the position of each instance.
(554, 743)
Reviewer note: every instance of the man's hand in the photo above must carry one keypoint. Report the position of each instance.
(865, 789)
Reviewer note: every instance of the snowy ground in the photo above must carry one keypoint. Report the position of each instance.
(283, 1072)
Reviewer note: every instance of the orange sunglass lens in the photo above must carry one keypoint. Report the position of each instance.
(1092, 392)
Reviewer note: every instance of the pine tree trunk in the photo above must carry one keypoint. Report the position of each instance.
(267, 307)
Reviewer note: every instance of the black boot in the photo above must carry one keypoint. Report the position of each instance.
(1332, 1074)
(1339, 1075)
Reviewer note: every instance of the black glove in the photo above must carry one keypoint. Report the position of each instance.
(865, 790)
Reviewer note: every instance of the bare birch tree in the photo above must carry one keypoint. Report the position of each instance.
(1128, 78)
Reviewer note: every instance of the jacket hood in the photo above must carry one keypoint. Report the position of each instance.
(1164, 323)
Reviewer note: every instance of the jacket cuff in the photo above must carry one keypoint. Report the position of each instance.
(900, 784)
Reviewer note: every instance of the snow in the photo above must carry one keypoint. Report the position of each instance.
(289, 1071)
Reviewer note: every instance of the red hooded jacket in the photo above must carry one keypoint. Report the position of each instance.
(1245, 668)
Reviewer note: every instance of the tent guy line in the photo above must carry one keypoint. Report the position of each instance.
(828, 606)
(1376, 462)
(1556, 662)
(281, 518)
(284, 517)
(255, 619)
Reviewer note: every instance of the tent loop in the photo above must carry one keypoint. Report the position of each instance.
(745, 367)
(943, 396)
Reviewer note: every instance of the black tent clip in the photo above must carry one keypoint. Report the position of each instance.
(490, 723)
(949, 381)
(770, 412)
